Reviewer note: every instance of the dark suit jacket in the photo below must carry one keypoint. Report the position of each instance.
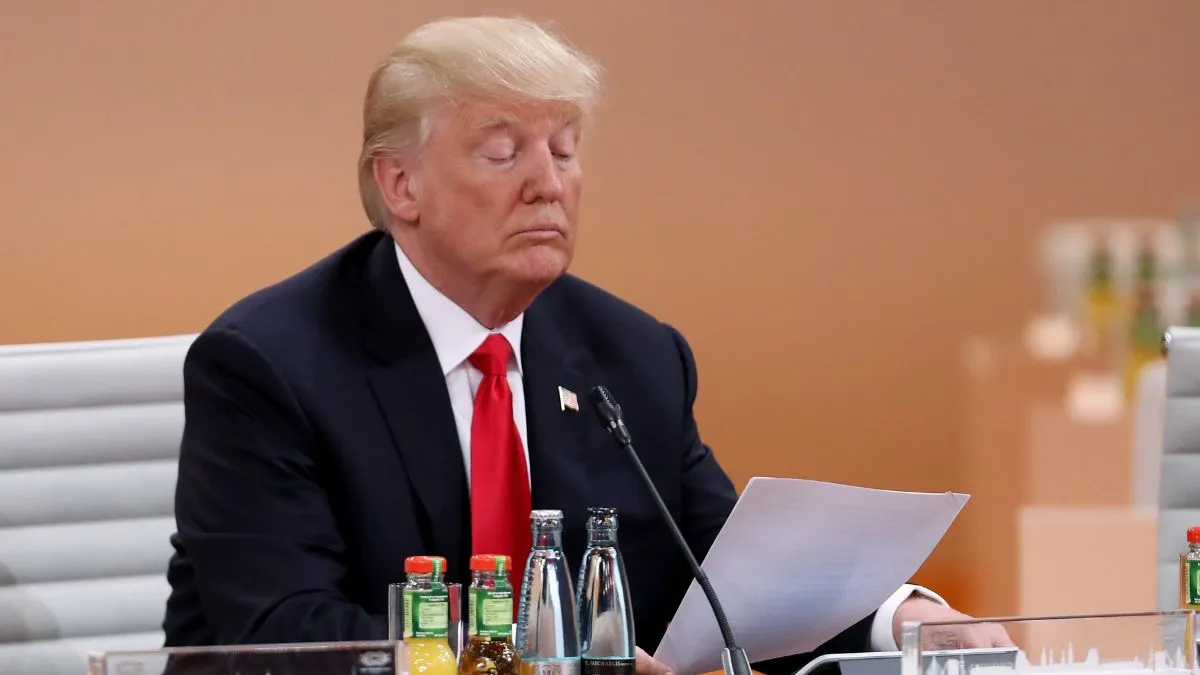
(320, 450)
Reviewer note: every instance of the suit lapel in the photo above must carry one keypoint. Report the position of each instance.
(558, 452)
(411, 391)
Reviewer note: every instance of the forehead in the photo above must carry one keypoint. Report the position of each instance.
(532, 117)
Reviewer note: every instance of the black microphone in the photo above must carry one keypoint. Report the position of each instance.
(733, 658)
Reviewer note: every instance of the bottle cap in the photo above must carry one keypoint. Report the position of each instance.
(601, 511)
(1193, 535)
(487, 562)
(546, 514)
(425, 564)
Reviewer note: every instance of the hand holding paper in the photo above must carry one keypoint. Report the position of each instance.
(798, 561)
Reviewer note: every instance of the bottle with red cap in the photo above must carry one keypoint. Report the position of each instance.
(427, 617)
(489, 649)
(1189, 572)
(1100, 298)
(1145, 338)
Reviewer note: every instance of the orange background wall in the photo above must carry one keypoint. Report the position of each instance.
(825, 197)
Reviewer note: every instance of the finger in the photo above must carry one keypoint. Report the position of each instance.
(647, 665)
(1000, 637)
(988, 635)
(977, 636)
(941, 637)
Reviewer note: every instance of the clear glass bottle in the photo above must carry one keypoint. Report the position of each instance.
(606, 636)
(547, 636)
(489, 649)
(427, 617)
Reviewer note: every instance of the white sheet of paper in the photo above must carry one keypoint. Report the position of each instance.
(799, 561)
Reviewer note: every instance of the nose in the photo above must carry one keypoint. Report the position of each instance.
(544, 179)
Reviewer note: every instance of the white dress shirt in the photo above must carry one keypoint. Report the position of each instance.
(456, 335)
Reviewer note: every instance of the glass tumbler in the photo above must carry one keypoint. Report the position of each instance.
(395, 617)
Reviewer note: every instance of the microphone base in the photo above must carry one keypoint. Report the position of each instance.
(735, 662)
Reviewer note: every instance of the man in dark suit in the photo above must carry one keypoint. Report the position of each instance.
(412, 393)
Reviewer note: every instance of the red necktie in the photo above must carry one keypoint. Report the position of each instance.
(500, 501)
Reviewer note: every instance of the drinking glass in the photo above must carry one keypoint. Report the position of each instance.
(1134, 643)
(396, 615)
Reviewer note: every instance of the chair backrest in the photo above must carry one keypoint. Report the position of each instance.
(1179, 490)
(1149, 412)
(89, 441)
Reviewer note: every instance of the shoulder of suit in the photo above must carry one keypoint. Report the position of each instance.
(588, 314)
(571, 293)
(305, 296)
(618, 335)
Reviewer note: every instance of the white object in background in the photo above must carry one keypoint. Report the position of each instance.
(1065, 248)
(799, 561)
(1052, 337)
(1095, 397)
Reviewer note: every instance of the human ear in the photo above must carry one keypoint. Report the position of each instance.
(398, 186)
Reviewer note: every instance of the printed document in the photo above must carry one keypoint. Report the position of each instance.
(799, 561)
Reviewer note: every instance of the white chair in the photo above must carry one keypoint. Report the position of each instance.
(89, 440)
(1149, 410)
(1179, 489)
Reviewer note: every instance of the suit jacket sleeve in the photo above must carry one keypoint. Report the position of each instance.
(253, 517)
(708, 498)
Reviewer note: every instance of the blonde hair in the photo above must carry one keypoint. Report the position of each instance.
(457, 60)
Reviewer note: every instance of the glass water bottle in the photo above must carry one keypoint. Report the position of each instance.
(606, 639)
(547, 637)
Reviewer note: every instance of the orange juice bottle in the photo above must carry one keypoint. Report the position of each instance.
(427, 617)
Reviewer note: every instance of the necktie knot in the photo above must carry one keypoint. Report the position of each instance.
(491, 358)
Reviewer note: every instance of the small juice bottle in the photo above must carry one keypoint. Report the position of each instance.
(1145, 339)
(490, 649)
(427, 617)
(1147, 262)
(1189, 572)
(1100, 298)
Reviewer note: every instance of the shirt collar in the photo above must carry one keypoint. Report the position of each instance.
(455, 333)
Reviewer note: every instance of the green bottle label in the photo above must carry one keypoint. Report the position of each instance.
(427, 613)
(1191, 594)
(490, 612)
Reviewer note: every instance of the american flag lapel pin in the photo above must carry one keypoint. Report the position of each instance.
(567, 400)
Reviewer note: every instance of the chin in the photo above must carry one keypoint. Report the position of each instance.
(542, 265)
